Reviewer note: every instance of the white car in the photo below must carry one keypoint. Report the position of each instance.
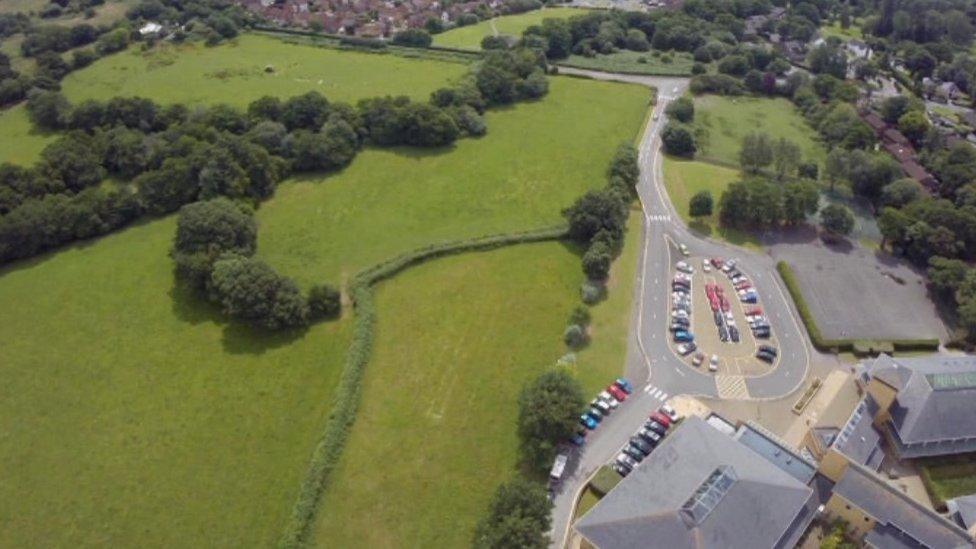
(684, 267)
(706, 266)
(678, 313)
(682, 276)
(684, 349)
(684, 250)
(608, 398)
(729, 317)
(669, 411)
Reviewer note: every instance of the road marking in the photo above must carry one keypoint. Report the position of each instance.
(655, 392)
(731, 387)
(659, 217)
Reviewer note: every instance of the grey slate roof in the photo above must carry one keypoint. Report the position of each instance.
(900, 519)
(859, 440)
(936, 400)
(757, 510)
(963, 510)
(777, 452)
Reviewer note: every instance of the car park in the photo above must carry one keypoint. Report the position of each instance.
(588, 422)
(624, 385)
(661, 418)
(634, 453)
(640, 444)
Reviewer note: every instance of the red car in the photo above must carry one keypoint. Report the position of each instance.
(617, 392)
(725, 305)
(743, 286)
(755, 311)
(661, 418)
(717, 262)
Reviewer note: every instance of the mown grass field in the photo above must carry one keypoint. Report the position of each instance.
(470, 37)
(136, 415)
(949, 477)
(456, 340)
(684, 178)
(634, 62)
(20, 142)
(728, 119)
(133, 415)
(535, 160)
(234, 73)
(834, 29)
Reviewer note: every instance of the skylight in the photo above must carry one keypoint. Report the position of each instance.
(955, 380)
(708, 495)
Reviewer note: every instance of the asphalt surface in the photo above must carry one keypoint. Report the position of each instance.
(656, 372)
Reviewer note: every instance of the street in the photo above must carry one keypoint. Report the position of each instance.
(656, 372)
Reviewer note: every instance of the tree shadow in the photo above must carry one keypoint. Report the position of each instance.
(701, 228)
(192, 308)
(240, 338)
(838, 244)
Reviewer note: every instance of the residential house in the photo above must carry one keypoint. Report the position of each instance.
(899, 147)
(926, 405)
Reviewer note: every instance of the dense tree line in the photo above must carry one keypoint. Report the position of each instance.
(758, 203)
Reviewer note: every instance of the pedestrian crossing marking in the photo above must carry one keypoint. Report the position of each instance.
(655, 392)
(731, 387)
(659, 217)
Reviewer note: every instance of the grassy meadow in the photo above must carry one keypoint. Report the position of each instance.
(470, 37)
(133, 414)
(727, 120)
(635, 62)
(136, 415)
(20, 142)
(685, 178)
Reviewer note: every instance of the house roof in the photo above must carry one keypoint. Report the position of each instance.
(900, 519)
(963, 510)
(915, 170)
(859, 439)
(700, 488)
(777, 452)
(875, 122)
(936, 397)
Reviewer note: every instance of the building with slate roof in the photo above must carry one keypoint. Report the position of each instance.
(962, 510)
(702, 488)
(926, 405)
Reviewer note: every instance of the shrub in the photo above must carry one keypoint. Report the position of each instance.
(580, 316)
(701, 204)
(324, 301)
(591, 292)
(681, 109)
(574, 336)
(249, 290)
(678, 140)
(549, 409)
(596, 261)
(417, 38)
(519, 515)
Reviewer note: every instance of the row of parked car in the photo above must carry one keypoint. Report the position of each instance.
(645, 440)
(681, 307)
(758, 322)
(722, 313)
(603, 405)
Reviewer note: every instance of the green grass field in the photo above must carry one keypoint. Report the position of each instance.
(535, 160)
(684, 178)
(138, 416)
(949, 477)
(631, 62)
(470, 37)
(728, 119)
(235, 73)
(135, 416)
(20, 143)
(834, 29)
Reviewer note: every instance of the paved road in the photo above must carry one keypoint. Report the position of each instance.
(655, 370)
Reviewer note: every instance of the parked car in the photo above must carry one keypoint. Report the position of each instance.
(734, 334)
(697, 359)
(717, 262)
(649, 434)
(706, 267)
(749, 298)
(624, 384)
(765, 357)
(683, 336)
(754, 311)
(686, 348)
(599, 404)
(667, 410)
(610, 399)
(718, 318)
(723, 333)
(617, 393)
(558, 467)
(639, 443)
(656, 428)
(762, 333)
(684, 267)
(622, 469)
(684, 250)
(595, 414)
(680, 321)
(662, 419)
(626, 460)
(588, 422)
(634, 453)
(768, 349)
(577, 439)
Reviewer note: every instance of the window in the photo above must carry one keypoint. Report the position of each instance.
(708, 495)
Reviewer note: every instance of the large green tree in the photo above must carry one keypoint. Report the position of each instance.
(519, 515)
(756, 152)
(549, 409)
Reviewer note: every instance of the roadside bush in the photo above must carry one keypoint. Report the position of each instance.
(591, 292)
(593, 212)
(681, 109)
(574, 336)
(678, 140)
(721, 84)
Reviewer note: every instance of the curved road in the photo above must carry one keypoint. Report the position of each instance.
(656, 372)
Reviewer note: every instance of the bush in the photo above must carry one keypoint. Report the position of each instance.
(575, 336)
(324, 301)
(580, 316)
(596, 261)
(701, 204)
(681, 109)
(721, 84)
(596, 211)
(417, 38)
(678, 140)
(591, 292)
(249, 290)
(549, 409)
(519, 515)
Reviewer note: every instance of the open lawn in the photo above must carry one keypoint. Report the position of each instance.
(635, 62)
(20, 143)
(535, 160)
(470, 37)
(683, 179)
(234, 73)
(834, 29)
(456, 340)
(949, 477)
(727, 119)
(135, 416)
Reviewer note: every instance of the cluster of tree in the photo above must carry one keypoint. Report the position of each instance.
(759, 152)
(597, 219)
(209, 20)
(758, 203)
(908, 115)
(678, 136)
(416, 38)
(869, 174)
(549, 410)
(519, 515)
(213, 254)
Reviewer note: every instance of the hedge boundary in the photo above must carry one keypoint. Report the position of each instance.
(348, 393)
(860, 347)
(343, 40)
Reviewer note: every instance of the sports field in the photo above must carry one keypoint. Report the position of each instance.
(470, 37)
(138, 416)
(728, 119)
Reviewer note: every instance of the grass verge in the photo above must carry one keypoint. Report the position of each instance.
(948, 477)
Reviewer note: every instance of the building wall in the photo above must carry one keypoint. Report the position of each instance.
(833, 465)
(860, 523)
(884, 395)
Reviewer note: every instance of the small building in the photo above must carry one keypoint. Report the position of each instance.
(858, 49)
(856, 441)
(883, 517)
(926, 405)
(962, 510)
(703, 489)
(150, 29)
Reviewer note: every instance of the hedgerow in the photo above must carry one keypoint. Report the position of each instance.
(349, 392)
